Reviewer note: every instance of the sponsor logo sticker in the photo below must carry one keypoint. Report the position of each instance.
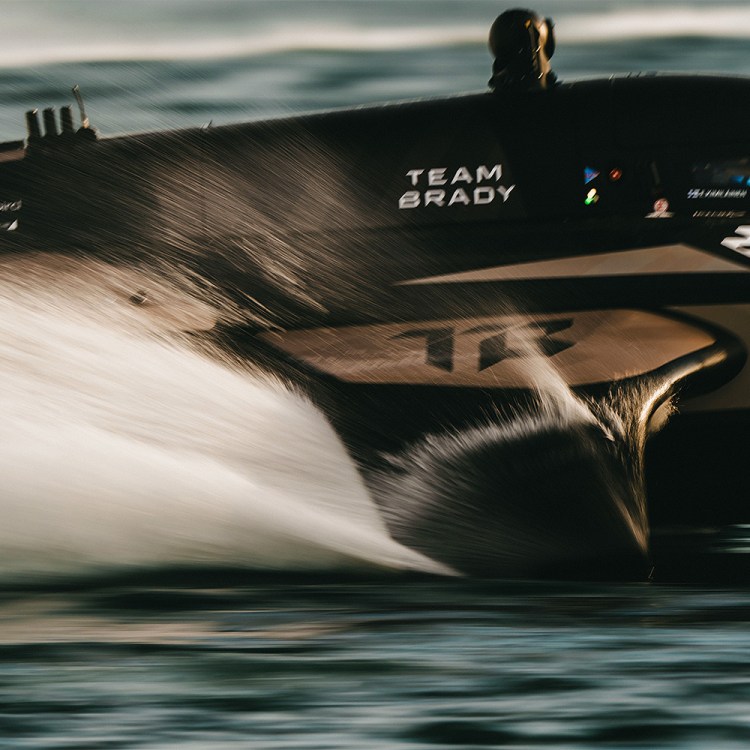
(740, 242)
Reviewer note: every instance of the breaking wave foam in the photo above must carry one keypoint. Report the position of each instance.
(70, 39)
(658, 23)
(334, 38)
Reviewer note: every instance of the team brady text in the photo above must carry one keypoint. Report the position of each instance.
(440, 187)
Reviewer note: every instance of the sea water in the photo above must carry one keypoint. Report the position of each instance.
(147, 65)
(187, 557)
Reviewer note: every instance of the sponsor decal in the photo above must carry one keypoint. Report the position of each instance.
(660, 210)
(740, 243)
(464, 186)
(589, 174)
(9, 222)
(719, 214)
(592, 197)
(496, 351)
(700, 193)
(439, 343)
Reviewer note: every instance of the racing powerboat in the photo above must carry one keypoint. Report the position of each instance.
(451, 279)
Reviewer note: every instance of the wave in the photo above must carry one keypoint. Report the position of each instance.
(731, 22)
(325, 38)
(76, 43)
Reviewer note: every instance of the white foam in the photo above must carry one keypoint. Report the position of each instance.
(122, 447)
(244, 43)
(73, 37)
(710, 21)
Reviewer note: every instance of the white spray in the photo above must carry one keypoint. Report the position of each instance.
(121, 445)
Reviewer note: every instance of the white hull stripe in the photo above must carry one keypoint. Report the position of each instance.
(649, 261)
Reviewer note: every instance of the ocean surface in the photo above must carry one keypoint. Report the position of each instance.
(146, 65)
(187, 557)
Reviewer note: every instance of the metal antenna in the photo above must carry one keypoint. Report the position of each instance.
(81, 109)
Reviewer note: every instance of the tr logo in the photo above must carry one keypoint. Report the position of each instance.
(739, 244)
(440, 343)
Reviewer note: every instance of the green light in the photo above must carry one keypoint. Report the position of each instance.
(591, 197)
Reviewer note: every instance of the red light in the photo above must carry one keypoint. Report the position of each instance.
(615, 174)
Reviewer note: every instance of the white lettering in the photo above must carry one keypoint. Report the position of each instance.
(410, 199)
(718, 214)
(483, 195)
(740, 244)
(483, 173)
(460, 196)
(462, 175)
(717, 193)
(413, 174)
(436, 176)
(434, 196)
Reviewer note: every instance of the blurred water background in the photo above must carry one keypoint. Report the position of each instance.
(231, 658)
(146, 65)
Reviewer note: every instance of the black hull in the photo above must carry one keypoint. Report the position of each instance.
(419, 269)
